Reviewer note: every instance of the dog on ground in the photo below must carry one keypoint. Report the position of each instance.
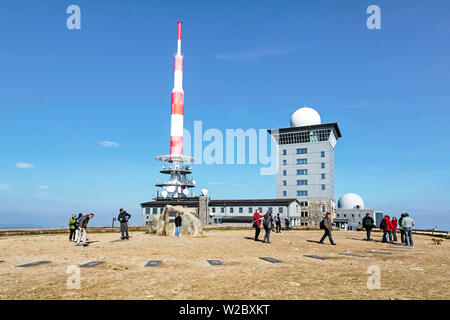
(437, 241)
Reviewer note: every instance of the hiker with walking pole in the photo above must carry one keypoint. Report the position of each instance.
(123, 219)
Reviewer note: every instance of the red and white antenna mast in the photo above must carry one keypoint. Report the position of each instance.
(177, 113)
(179, 183)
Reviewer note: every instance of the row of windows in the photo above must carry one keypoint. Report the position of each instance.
(304, 181)
(241, 209)
(304, 161)
(303, 137)
(303, 172)
(304, 193)
(303, 151)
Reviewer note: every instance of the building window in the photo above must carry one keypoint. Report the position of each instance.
(302, 182)
(147, 210)
(322, 165)
(302, 193)
(231, 210)
(222, 210)
(214, 210)
(305, 214)
(260, 210)
(284, 172)
(322, 176)
(241, 210)
(323, 187)
(302, 172)
(284, 193)
(284, 182)
(284, 152)
(155, 210)
(302, 151)
(322, 154)
(302, 161)
(324, 208)
(280, 209)
(284, 162)
(250, 210)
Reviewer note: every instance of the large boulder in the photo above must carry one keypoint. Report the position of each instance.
(163, 224)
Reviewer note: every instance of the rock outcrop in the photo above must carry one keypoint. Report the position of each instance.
(163, 224)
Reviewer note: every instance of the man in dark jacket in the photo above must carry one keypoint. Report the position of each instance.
(82, 227)
(123, 219)
(328, 224)
(278, 223)
(178, 223)
(368, 224)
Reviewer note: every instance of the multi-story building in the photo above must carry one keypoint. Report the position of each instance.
(305, 154)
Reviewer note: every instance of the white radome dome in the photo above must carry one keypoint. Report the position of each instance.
(350, 201)
(305, 117)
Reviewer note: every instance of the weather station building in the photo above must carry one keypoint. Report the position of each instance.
(305, 154)
(351, 211)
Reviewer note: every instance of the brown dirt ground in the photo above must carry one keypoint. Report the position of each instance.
(418, 273)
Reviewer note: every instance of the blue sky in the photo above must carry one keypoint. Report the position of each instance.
(248, 64)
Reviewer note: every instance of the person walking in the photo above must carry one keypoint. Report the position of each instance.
(82, 227)
(72, 229)
(368, 223)
(386, 226)
(257, 223)
(77, 224)
(407, 224)
(328, 226)
(178, 223)
(268, 225)
(394, 229)
(278, 223)
(287, 224)
(402, 230)
(123, 219)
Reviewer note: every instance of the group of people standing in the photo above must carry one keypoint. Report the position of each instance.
(389, 227)
(77, 227)
(269, 224)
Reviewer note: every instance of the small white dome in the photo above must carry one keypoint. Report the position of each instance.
(305, 117)
(350, 201)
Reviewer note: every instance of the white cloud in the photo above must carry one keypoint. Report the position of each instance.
(24, 165)
(108, 144)
(43, 187)
(41, 194)
(5, 187)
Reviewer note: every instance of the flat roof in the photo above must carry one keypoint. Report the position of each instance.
(333, 125)
(193, 202)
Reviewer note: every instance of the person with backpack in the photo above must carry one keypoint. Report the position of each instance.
(123, 219)
(83, 229)
(407, 224)
(386, 226)
(327, 225)
(268, 225)
(402, 231)
(368, 223)
(72, 222)
(77, 224)
(278, 223)
(394, 228)
(178, 223)
(257, 223)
